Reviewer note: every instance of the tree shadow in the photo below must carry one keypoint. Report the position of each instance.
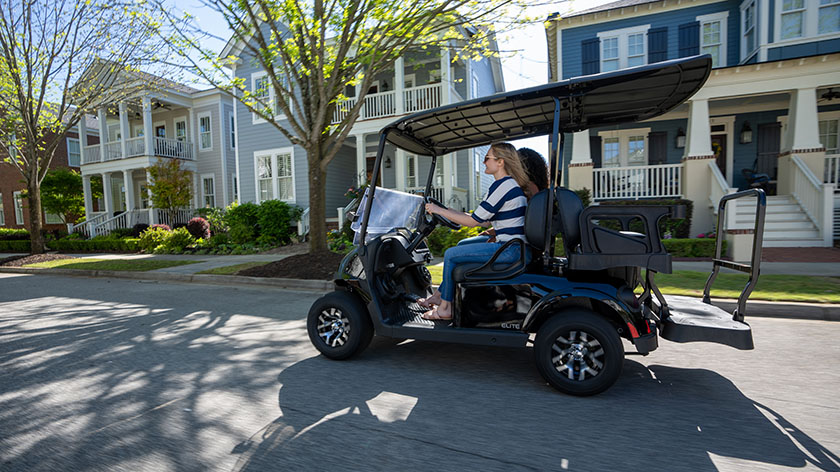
(421, 406)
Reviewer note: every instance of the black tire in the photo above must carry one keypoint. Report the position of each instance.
(579, 352)
(339, 326)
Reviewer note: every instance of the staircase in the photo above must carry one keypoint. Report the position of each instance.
(785, 225)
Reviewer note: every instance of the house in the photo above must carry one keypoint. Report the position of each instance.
(771, 105)
(14, 211)
(272, 168)
(164, 120)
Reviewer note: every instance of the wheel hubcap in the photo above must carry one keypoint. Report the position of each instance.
(578, 356)
(333, 327)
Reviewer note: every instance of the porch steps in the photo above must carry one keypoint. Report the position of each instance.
(785, 225)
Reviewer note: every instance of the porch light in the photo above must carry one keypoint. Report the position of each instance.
(387, 162)
(746, 133)
(680, 138)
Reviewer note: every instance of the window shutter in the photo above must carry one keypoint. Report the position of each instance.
(690, 39)
(595, 151)
(591, 56)
(657, 44)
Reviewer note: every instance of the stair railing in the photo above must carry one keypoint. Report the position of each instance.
(815, 198)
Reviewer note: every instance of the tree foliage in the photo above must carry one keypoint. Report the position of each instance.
(62, 195)
(171, 186)
(312, 51)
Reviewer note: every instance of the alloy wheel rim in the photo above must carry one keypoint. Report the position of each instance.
(578, 356)
(333, 327)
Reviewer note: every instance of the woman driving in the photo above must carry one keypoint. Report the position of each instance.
(504, 209)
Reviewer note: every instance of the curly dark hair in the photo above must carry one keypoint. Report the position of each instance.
(535, 167)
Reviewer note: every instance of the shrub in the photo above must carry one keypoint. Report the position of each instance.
(242, 219)
(138, 229)
(678, 227)
(95, 245)
(275, 219)
(219, 240)
(443, 238)
(199, 228)
(153, 237)
(122, 232)
(216, 218)
(176, 241)
(585, 196)
(14, 246)
(11, 234)
(692, 247)
(161, 226)
(338, 242)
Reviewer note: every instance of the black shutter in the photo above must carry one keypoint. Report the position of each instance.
(591, 56)
(658, 148)
(690, 39)
(657, 44)
(595, 151)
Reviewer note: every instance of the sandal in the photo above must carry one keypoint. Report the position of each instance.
(424, 302)
(433, 315)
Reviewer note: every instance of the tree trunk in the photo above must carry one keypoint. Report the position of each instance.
(35, 237)
(317, 205)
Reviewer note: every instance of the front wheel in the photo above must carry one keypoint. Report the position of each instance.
(579, 353)
(339, 326)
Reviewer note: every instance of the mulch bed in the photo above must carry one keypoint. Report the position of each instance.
(317, 266)
(20, 261)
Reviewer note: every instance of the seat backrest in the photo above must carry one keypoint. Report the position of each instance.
(535, 219)
(570, 208)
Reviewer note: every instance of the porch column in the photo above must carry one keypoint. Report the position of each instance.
(361, 162)
(148, 132)
(399, 85)
(88, 196)
(153, 220)
(129, 190)
(696, 175)
(124, 132)
(445, 82)
(108, 193)
(802, 139)
(581, 167)
(197, 191)
(399, 169)
(103, 132)
(82, 127)
(193, 135)
(448, 175)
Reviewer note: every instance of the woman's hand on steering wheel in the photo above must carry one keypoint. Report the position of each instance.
(433, 208)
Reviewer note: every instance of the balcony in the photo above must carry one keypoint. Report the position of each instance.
(136, 147)
(384, 104)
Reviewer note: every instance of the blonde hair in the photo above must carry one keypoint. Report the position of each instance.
(513, 166)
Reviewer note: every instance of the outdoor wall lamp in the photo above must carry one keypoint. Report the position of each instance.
(680, 139)
(387, 162)
(746, 133)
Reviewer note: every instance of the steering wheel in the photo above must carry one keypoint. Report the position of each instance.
(437, 219)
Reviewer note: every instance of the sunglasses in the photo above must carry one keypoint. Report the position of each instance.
(486, 158)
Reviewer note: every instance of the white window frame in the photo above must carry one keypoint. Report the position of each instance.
(139, 131)
(232, 124)
(412, 164)
(623, 136)
(182, 119)
(204, 194)
(720, 17)
(158, 124)
(410, 78)
(623, 45)
(745, 54)
(2, 212)
(829, 116)
(474, 84)
(209, 131)
(79, 144)
(18, 203)
(810, 24)
(52, 219)
(275, 177)
(278, 115)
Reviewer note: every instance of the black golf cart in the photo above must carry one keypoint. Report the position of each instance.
(578, 306)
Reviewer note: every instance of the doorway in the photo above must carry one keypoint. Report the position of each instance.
(767, 157)
(370, 160)
(719, 148)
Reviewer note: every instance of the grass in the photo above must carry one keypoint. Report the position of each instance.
(795, 288)
(134, 265)
(231, 269)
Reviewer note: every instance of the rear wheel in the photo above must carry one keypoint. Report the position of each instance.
(579, 353)
(339, 326)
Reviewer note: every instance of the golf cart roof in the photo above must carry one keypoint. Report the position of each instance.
(586, 102)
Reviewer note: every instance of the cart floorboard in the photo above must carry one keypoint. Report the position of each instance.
(693, 320)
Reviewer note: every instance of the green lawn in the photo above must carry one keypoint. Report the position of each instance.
(135, 265)
(797, 288)
(231, 269)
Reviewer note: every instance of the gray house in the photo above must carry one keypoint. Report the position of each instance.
(270, 167)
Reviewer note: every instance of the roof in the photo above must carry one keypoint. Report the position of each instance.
(610, 98)
(610, 6)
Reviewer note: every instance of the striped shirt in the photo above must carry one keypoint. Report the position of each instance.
(504, 208)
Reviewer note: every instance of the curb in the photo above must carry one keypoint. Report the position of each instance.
(755, 308)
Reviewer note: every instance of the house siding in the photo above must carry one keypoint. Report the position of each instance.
(805, 49)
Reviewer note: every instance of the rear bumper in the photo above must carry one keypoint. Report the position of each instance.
(647, 343)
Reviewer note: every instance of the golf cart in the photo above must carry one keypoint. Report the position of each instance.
(574, 309)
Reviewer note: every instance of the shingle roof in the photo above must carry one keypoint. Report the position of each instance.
(611, 6)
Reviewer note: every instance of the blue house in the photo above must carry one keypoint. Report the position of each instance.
(771, 105)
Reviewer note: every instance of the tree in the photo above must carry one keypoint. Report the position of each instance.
(57, 60)
(171, 186)
(313, 50)
(62, 194)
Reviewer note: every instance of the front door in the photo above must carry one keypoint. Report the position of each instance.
(370, 161)
(767, 159)
(160, 131)
(719, 148)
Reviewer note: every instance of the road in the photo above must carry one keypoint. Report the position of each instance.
(141, 376)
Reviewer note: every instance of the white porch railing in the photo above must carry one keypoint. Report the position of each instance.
(832, 169)
(168, 147)
(719, 188)
(637, 182)
(105, 227)
(181, 216)
(342, 109)
(86, 226)
(458, 199)
(303, 223)
(815, 197)
(437, 193)
(113, 151)
(421, 98)
(135, 146)
(92, 154)
(379, 105)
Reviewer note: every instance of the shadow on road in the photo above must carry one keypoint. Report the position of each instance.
(426, 406)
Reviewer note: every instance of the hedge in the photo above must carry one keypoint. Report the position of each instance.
(704, 247)
(11, 234)
(15, 246)
(679, 227)
(95, 245)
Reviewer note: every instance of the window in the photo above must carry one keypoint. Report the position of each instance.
(434, 76)
(181, 129)
(799, 19)
(205, 132)
(18, 208)
(622, 148)
(793, 16)
(264, 91)
(275, 174)
(623, 48)
(74, 156)
(232, 131)
(748, 29)
(829, 17)
(713, 37)
(208, 191)
(411, 170)
(2, 212)
(828, 135)
(474, 88)
(52, 219)
(611, 152)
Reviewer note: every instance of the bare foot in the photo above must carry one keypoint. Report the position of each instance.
(437, 314)
(430, 301)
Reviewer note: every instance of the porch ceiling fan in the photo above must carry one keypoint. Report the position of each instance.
(830, 95)
(157, 105)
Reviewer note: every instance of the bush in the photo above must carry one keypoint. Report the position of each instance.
(218, 240)
(161, 226)
(678, 227)
(585, 196)
(161, 241)
(14, 246)
(275, 220)
(443, 238)
(11, 234)
(242, 219)
(122, 233)
(95, 245)
(216, 218)
(154, 237)
(337, 241)
(692, 247)
(199, 228)
(138, 229)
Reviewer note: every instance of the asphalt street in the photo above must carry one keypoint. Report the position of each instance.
(129, 375)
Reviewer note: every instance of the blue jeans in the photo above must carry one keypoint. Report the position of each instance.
(473, 240)
(472, 252)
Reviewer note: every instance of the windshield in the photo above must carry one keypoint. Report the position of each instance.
(391, 209)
